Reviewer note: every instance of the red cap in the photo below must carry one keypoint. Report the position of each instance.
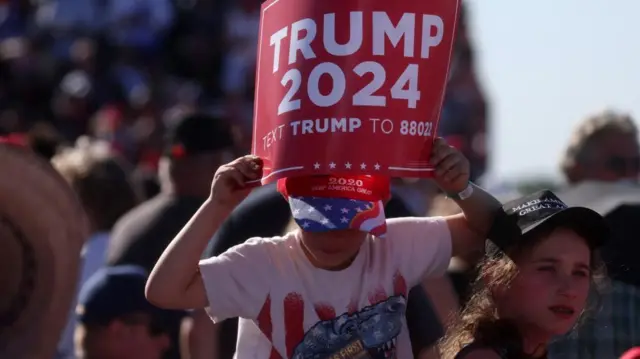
(360, 187)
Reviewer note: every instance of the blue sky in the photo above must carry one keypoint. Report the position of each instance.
(547, 64)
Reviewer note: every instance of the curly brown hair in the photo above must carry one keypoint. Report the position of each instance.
(478, 322)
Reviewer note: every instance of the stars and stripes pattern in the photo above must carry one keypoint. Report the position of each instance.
(318, 214)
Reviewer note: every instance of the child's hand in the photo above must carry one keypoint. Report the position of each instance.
(451, 167)
(229, 185)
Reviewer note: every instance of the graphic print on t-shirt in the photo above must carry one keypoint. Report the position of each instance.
(367, 334)
(370, 332)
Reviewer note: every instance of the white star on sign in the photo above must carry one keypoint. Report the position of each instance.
(316, 166)
(325, 221)
(344, 210)
(347, 165)
(332, 165)
(305, 225)
(296, 211)
(344, 220)
(327, 207)
(363, 166)
(377, 167)
(311, 209)
(358, 210)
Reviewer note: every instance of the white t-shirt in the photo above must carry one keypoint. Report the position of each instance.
(291, 309)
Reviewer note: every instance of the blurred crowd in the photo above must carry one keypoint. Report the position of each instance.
(122, 70)
(136, 104)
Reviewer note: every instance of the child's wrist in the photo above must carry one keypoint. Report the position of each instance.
(214, 207)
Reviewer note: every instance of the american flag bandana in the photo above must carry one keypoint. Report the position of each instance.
(333, 202)
(317, 214)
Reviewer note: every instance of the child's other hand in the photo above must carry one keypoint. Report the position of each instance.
(230, 186)
(451, 167)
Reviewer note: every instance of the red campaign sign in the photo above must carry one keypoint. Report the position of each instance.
(351, 86)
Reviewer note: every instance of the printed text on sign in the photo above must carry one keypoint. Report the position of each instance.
(303, 33)
(335, 125)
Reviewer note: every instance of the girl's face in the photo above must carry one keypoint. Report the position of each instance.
(552, 285)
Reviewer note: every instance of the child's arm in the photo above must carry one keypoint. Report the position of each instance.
(424, 246)
(479, 208)
(469, 229)
(175, 282)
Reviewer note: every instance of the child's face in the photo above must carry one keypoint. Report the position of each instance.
(551, 288)
(333, 249)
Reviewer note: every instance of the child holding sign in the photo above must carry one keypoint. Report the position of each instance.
(334, 289)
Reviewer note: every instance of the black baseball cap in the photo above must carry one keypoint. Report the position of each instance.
(113, 292)
(544, 209)
(196, 134)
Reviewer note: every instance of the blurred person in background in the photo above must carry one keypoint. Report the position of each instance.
(463, 121)
(115, 319)
(103, 184)
(196, 146)
(241, 36)
(603, 148)
(601, 166)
